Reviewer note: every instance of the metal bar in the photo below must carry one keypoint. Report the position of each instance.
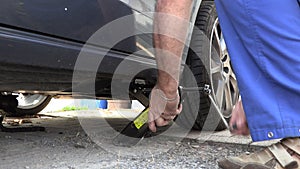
(219, 111)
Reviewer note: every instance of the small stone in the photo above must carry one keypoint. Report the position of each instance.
(77, 145)
(54, 166)
(195, 146)
(203, 166)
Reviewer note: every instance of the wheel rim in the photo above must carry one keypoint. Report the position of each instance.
(223, 81)
(30, 101)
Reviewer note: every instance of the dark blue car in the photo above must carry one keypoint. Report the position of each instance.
(46, 48)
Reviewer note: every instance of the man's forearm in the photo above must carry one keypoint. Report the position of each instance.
(169, 48)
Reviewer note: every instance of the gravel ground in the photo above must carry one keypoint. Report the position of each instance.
(65, 145)
(189, 154)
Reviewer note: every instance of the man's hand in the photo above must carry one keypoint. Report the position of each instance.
(238, 122)
(164, 107)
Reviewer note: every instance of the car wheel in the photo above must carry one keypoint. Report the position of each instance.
(210, 64)
(30, 104)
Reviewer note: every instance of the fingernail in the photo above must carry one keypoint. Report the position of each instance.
(233, 127)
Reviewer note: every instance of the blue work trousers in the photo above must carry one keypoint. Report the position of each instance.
(263, 41)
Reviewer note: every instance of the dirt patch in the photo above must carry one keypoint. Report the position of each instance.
(65, 145)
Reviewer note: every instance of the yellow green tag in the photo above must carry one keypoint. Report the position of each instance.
(142, 119)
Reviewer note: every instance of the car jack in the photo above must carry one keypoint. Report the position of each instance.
(137, 129)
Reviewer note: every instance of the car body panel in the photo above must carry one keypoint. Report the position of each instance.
(41, 40)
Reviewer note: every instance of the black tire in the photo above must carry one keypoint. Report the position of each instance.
(17, 112)
(198, 60)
